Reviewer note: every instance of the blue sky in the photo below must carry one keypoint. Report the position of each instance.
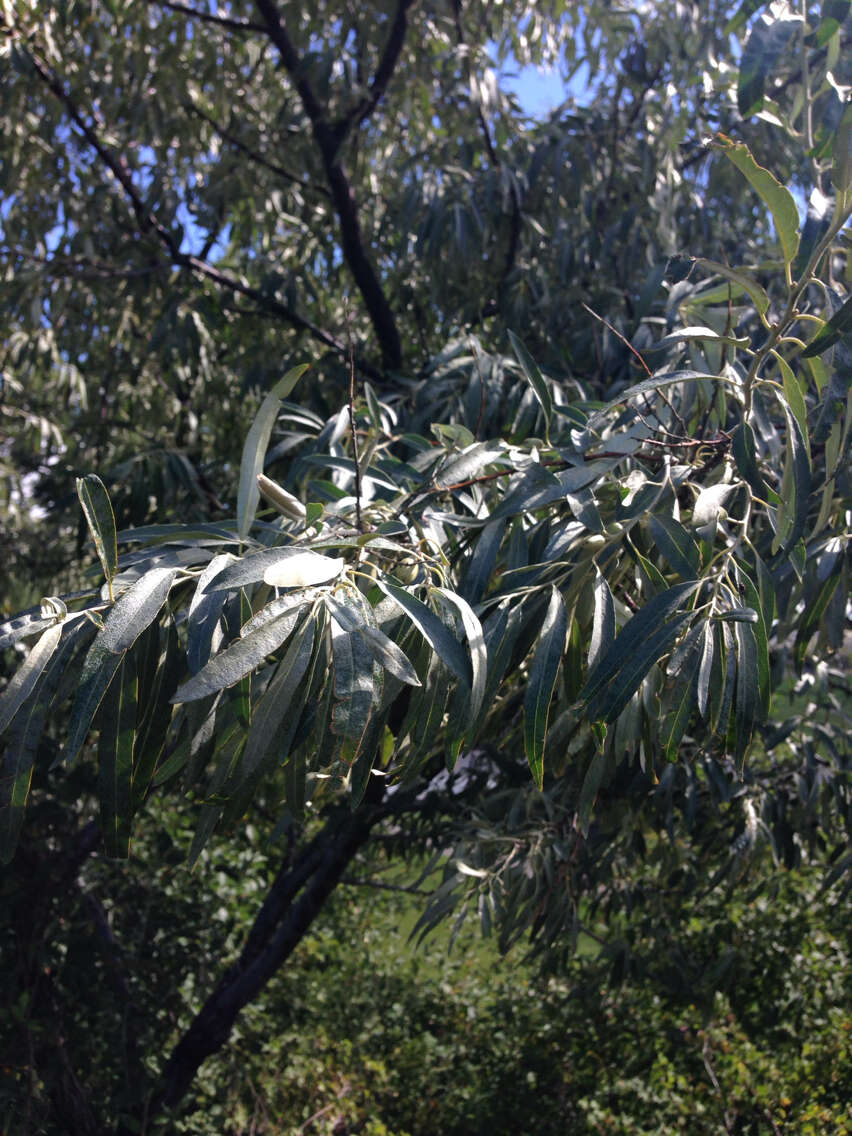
(540, 90)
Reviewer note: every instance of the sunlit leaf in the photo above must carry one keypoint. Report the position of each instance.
(441, 640)
(603, 626)
(136, 609)
(238, 659)
(302, 570)
(23, 681)
(100, 518)
(775, 196)
(705, 669)
(254, 450)
(476, 643)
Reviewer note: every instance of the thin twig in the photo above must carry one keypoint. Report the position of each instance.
(208, 18)
(618, 335)
(238, 144)
(82, 268)
(647, 369)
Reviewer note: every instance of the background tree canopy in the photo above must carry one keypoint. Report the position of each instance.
(424, 484)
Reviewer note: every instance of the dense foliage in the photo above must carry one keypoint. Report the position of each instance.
(460, 1043)
(540, 570)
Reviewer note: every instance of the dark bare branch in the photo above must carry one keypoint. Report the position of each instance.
(282, 923)
(384, 72)
(351, 237)
(83, 267)
(207, 17)
(254, 156)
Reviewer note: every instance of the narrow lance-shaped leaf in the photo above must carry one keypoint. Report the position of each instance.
(383, 649)
(289, 567)
(813, 614)
(542, 680)
(603, 623)
(796, 487)
(135, 609)
(704, 333)
(205, 610)
(478, 652)
(100, 518)
(20, 746)
(115, 759)
(427, 706)
(841, 167)
(482, 561)
(676, 545)
(353, 692)
(584, 507)
(747, 691)
(389, 655)
(794, 396)
(654, 383)
(97, 673)
(31, 622)
(468, 464)
(534, 377)
(761, 637)
(238, 659)
(610, 699)
(538, 487)
(156, 712)
(589, 790)
(775, 196)
(839, 325)
(439, 638)
(745, 455)
(276, 702)
(742, 279)
(23, 681)
(634, 633)
(682, 698)
(254, 450)
(207, 820)
(303, 570)
(705, 670)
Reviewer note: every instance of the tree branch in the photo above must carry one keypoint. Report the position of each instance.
(148, 222)
(279, 927)
(384, 73)
(226, 136)
(82, 267)
(208, 18)
(328, 142)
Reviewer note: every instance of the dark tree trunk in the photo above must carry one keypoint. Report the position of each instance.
(296, 897)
